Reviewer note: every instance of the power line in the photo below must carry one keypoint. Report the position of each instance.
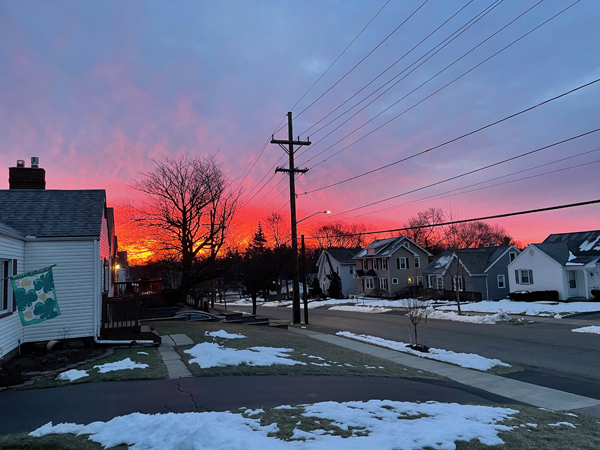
(469, 172)
(430, 95)
(336, 59)
(361, 61)
(454, 192)
(454, 222)
(460, 30)
(454, 139)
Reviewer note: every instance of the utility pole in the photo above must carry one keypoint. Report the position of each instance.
(292, 171)
(304, 277)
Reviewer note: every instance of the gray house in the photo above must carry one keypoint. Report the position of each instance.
(337, 260)
(387, 266)
(483, 270)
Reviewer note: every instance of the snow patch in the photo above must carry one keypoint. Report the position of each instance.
(526, 309)
(467, 360)
(208, 354)
(125, 364)
(437, 425)
(363, 309)
(72, 375)
(587, 245)
(594, 329)
(224, 334)
(558, 424)
(490, 320)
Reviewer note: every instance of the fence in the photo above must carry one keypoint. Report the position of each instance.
(120, 312)
(141, 287)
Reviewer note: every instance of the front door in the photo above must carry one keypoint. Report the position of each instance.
(573, 285)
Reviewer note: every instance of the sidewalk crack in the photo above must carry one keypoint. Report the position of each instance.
(183, 391)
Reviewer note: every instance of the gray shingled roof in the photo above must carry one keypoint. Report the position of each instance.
(53, 213)
(581, 244)
(476, 260)
(343, 255)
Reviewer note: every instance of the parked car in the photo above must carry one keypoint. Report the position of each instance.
(197, 316)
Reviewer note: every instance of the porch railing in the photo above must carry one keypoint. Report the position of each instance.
(120, 313)
(140, 287)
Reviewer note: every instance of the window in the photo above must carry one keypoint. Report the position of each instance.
(405, 244)
(369, 283)
(383, 283)
(512, 256)
(371, 251)
(501, 282)
(440, 283)
(5, 304)
(411, 280)
(337, 270)
(374, 264)
(394, 280)
(524, 276)
(384, 264)
(351, 270)
(365, 264)
(417, 262)
(402, 263)
(458, 282)
(420, 281)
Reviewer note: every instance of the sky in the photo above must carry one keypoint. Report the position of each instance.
(99, 89)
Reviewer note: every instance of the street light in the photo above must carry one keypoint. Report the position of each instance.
(305, 290)
(314, 214)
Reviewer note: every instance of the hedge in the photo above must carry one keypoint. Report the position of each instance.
(535, 296)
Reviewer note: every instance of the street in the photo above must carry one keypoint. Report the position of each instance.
(547, 351)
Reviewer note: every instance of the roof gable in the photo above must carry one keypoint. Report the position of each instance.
(53, 213)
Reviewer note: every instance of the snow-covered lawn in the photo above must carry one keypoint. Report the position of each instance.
(376, 424)
(363, 309)
(208, 354)
(467, 360)
(594, 329)
(451, 315)
(545, 309)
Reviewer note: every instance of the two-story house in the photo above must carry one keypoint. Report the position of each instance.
(387, 266)
(337, 260)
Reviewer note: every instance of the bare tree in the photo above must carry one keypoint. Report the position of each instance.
(428, 235)
(341, 235)
(187, 210)
(415, 312)
(277, 229)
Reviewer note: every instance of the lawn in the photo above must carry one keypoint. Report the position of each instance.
(341, 362)
(156, 369)
(282, 427)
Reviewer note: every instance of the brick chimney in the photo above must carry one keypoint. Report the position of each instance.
(22, 177)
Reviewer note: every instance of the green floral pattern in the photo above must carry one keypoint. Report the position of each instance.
(35, 296)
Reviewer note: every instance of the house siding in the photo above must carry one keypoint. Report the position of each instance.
(74, 281)
(547, 273)
(500, 268)
(11, 330)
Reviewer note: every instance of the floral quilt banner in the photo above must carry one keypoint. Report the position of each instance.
(35, 295)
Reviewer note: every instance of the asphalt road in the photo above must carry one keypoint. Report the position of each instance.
(25, 411)
(549, 353)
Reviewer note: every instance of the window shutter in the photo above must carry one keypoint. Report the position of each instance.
(517, 280)
(407, 265)
(14, 271)
(398, 263)
(531, 277)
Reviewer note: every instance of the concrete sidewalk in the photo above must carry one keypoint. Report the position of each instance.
(520, 391)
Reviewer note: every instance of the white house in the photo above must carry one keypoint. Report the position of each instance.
(68, 229)
(568, 263)
(337, 260)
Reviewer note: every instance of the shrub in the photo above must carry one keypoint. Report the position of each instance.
(535, 296)
(596, 294)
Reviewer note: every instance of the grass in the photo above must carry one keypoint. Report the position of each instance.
(302, 346)
(585, 435)
(156, 369)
